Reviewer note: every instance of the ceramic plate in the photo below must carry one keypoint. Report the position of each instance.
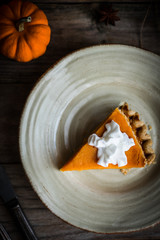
(63, 108)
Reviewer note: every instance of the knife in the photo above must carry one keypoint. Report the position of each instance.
(10, 199)
(3, 233)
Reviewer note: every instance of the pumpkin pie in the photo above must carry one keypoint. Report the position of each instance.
(138, 156)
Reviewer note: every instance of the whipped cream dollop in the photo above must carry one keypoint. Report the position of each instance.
(112, 145)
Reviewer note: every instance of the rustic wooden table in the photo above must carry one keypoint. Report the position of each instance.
(74, 26)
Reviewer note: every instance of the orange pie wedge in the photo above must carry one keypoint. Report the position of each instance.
(137, 156)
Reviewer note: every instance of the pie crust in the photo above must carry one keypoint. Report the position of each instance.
(140, 130)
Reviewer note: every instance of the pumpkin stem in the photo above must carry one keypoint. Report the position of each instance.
(21, 21)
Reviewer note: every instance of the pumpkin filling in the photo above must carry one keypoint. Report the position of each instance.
(138, 155)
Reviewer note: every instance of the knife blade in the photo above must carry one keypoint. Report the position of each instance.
(11, 201)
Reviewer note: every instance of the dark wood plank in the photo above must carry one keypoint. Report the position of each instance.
(46, 224)
(83, 1)
(75, 26)
(91, 1)
(12, 100)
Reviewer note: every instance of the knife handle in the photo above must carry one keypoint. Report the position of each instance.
(21, 220)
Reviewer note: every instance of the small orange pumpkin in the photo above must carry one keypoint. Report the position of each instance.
(24, 31)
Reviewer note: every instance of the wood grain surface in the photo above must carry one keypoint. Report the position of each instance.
(74, 25)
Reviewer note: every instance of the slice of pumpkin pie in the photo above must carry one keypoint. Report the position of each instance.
(120, 142)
